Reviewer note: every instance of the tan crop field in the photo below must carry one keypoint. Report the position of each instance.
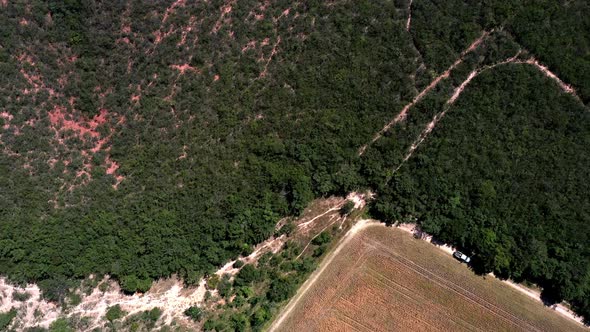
(383, 279)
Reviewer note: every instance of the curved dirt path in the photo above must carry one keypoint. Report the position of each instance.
(360, 225)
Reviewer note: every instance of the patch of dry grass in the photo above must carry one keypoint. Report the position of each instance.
(384, 280)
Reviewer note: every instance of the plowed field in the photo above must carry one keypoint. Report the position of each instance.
(384, 280)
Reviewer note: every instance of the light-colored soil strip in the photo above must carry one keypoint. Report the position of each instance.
(402, 114)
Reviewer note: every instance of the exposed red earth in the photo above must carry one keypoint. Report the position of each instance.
(66, 121)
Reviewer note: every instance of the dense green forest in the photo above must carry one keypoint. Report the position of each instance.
(146, 138)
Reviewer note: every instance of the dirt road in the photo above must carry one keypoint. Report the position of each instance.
(360, 225)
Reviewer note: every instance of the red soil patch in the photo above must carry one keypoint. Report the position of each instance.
(7, 118)
(225, 11)
(58, 118)
(184, 68)
(273, 52)
(159, 36)
(249, 46)
(85, 129)
(123, 40)
(66, 124)
(170, 10)
(186, 30)
(283, 14)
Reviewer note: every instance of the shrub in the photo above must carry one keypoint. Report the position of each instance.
(195, 313)
(114, 313)
(319, 251)
(56, 290)
(20, 297)
(224, 287)
(212, 281)
(60, 325)
(286, 229)
(153, 315)
(247, 275)
(74, 299)
(347, 208)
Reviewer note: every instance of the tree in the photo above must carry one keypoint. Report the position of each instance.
(239, 322)
(132, 284)
(259, 317)
(281, 289)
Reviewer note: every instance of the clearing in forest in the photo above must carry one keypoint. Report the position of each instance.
(382, 280)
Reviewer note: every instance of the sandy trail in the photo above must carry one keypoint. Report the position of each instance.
(359, 201)
(402, 114)
(559, 308)
(474, 45)
(565, 87)
(438, 116)
(332, 222)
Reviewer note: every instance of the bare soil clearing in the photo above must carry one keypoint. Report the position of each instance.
(381, 279)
